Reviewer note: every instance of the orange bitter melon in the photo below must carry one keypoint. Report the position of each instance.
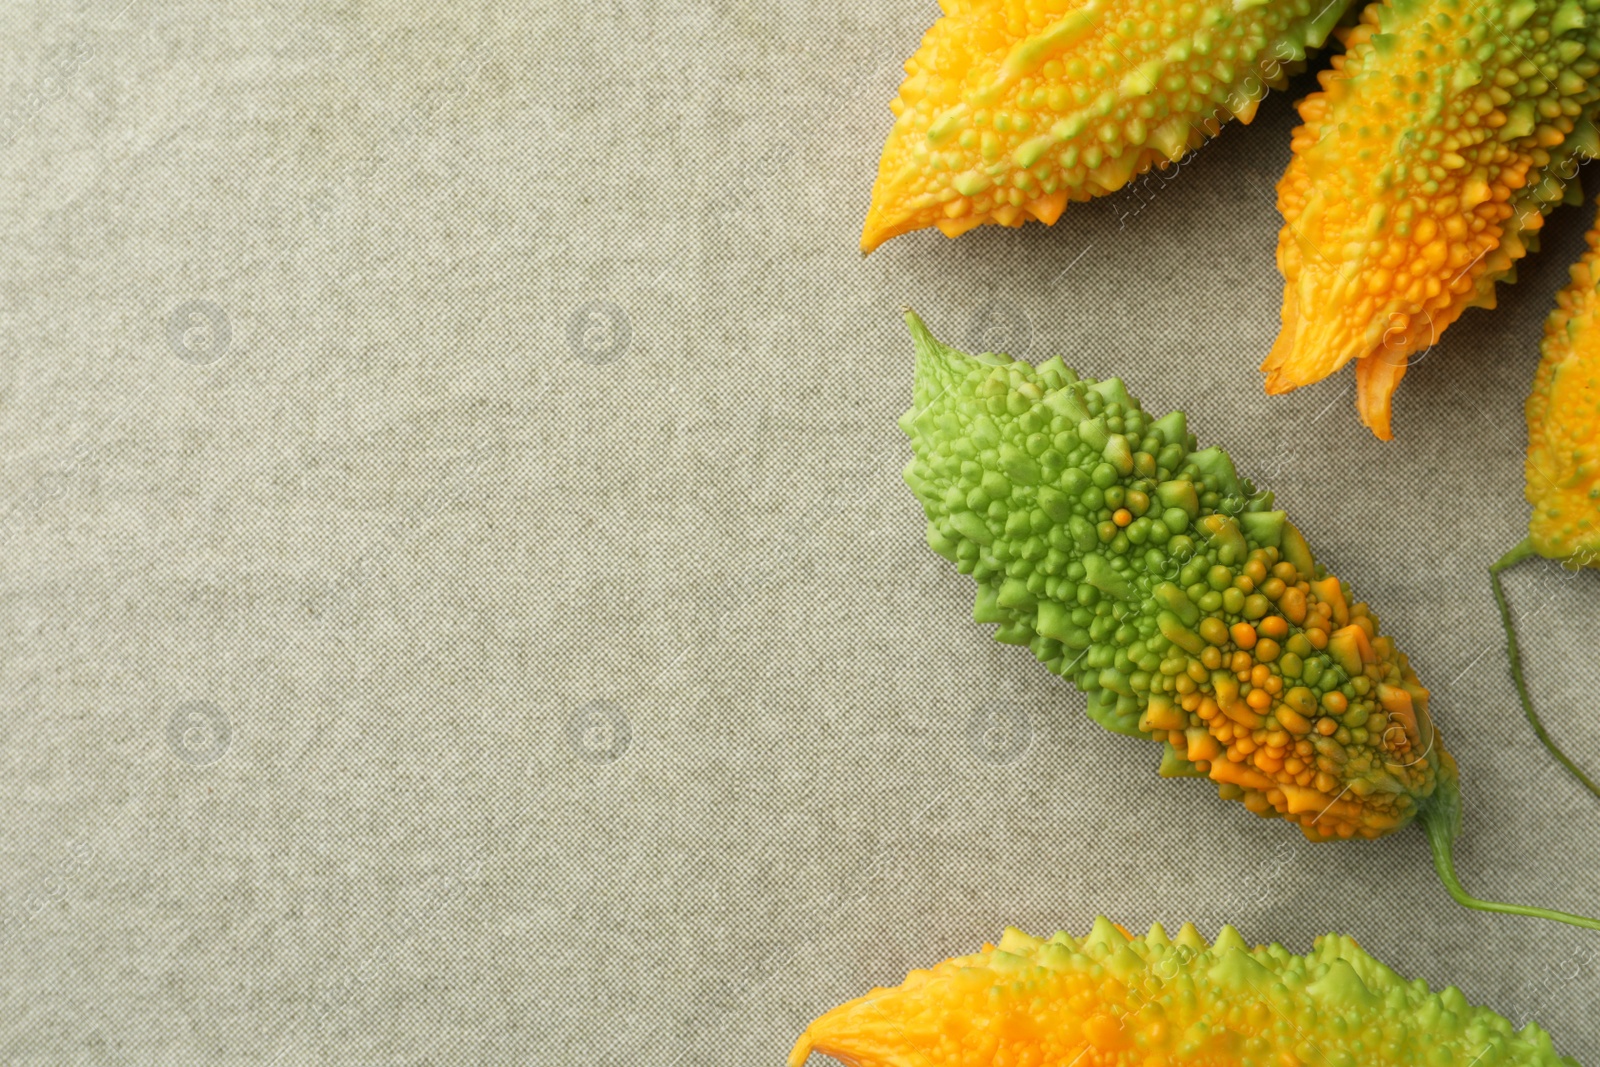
(1563, 413)
(1421, 174)
(1011, 108)
(1110, 999)
(1563, 464)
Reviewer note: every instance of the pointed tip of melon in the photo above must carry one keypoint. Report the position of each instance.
(874, 232)
(921, 336)
(888, 218)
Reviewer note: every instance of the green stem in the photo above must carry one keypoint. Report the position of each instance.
(1441, 821)
(1514, 652)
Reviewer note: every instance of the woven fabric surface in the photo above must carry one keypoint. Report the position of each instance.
(460, 604)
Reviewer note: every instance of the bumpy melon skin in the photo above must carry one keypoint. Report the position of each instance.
(1421, 174)
(1563, 411)
(1166, 588)
(1011, 108)
(1111, 1000)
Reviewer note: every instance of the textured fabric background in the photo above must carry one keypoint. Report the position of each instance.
(459, 604)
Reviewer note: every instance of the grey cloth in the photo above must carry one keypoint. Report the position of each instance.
(460, 605)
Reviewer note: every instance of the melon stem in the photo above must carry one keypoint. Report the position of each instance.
(1514, 653)
(1441, 821)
